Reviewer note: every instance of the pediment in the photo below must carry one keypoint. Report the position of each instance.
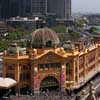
(51, 57)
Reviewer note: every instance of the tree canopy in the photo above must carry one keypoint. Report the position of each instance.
(92, 29)
(12, 36)
(75, 35)
(59, 29)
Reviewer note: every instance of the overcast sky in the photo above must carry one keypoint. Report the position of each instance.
(85, 6)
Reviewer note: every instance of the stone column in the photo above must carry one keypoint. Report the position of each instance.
(85, 65)
(63, 77)
(17, 77)
(96, 60)
(35, 79)
(4, 70)
(36, 83)
(17, 72)
(74, 66)
(77, 69)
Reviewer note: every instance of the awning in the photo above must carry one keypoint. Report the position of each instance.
(7, 82)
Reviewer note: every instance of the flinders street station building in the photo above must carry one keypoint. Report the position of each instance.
(47, 64)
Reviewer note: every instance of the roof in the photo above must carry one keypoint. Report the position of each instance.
(7, 82)
(59, 52)
(50, 52)
(44, 37)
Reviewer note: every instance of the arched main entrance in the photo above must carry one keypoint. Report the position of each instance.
(50, 83)
(24, 89)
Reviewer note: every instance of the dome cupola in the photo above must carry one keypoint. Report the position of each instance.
(44, 38)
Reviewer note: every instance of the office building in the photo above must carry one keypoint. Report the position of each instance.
(12, 8)
(38, 7)
(61, 8)
(9, 8)
(24, 7)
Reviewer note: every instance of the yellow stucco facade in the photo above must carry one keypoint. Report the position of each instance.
(47, 64)
(69, 69)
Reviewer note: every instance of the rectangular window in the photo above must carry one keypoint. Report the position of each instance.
(49, 65)
(25, 76)
(11, 67)
(10, 75)
(69, 71)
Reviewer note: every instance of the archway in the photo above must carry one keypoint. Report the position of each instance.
(49, 43)
(50, 83)
(24, 89)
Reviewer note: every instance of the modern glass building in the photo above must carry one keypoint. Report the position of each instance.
(38, 7)
(61, 8)
(12, 8)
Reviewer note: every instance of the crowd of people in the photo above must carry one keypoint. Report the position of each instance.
(46, 95)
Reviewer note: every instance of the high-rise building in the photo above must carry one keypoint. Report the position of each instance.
(67, 9)
(12, 8)
(24, 7)
(61, 8)
(4, 11)
(9, 8)
(0, 11)
(39, 7)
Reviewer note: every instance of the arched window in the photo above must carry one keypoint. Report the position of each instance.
(50, 65)
(26, 67)
(49, 81)
(10, 75)
(68, 72)
(49, 43)
(25, 76)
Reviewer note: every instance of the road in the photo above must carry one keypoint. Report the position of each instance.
(96, 84)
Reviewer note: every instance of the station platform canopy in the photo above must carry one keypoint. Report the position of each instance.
(7, 83)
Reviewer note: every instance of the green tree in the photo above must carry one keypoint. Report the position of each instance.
(75, 36)
(18, 34)
(3, 45)
(92, 29)
(12, 36)
(80, 23)
(59, 28)
(62, 37)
